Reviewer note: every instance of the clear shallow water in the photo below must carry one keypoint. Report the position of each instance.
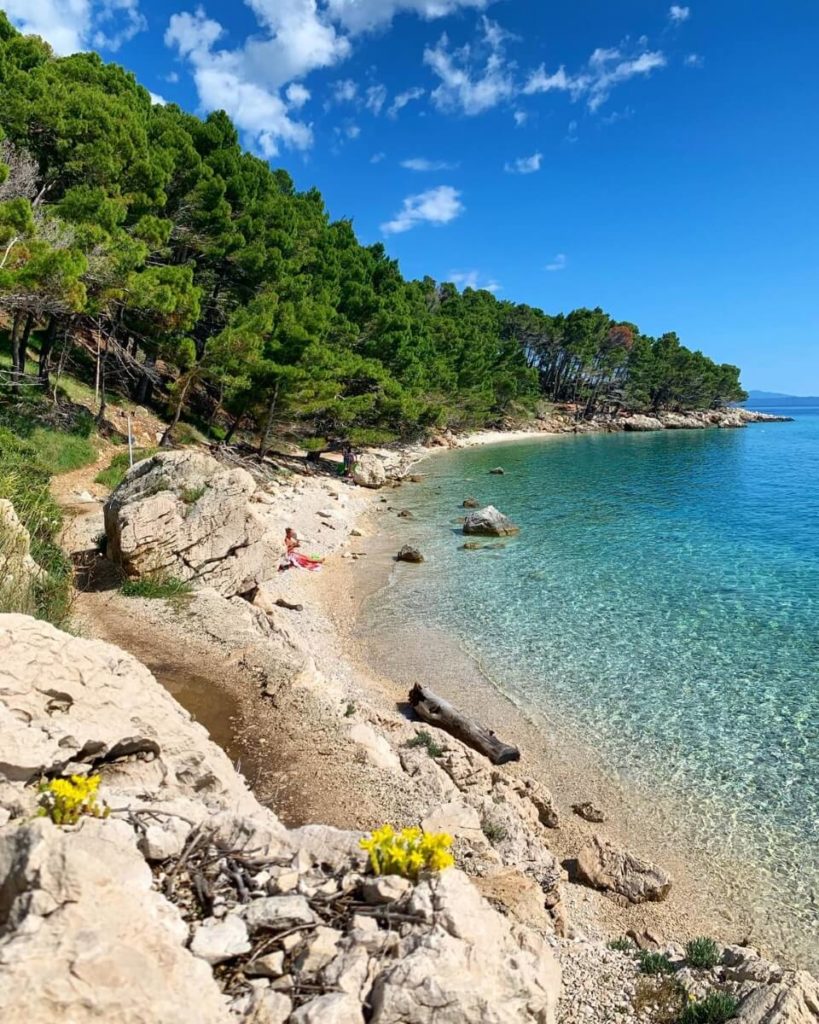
(663, 601)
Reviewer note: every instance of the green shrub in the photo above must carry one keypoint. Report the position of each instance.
(349, 711)
(660, 1000)
(192, 494)
(113, 475)
(424, 739)
(494, 831)
(715, 1008)
(160, 587)
(655, 963)
(622, 945)
(702, 953)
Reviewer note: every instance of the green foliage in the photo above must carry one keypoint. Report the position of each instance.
(660, 999)
(654, 963)
(716, 1008)
(115, 472)
(702, 953)
(158, 587)
(622, 945)
(426, 740)
(192, 494)
(155, 230)
(349, 711)
(31, 449)
(494, 831)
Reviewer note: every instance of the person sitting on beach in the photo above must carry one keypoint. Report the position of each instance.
(293, 557)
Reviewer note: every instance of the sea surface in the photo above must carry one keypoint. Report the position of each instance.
(662, 601)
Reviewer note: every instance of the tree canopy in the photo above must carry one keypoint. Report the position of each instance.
(154, 229)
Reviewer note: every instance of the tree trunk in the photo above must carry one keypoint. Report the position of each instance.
(103, 366)
(440, 713)
(237, 419)
(167, 438)
(263, 441)
(15, 346)
(45, 351)
(146, 385)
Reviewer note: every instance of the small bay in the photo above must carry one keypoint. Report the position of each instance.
(662, 604)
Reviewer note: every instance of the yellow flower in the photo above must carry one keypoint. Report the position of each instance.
(407, 853)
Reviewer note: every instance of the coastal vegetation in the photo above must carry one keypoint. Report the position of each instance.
(141, 247)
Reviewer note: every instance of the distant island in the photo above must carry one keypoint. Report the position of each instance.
(757, 398)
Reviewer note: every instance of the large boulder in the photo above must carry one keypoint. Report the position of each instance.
(468, 967)
(602, 866)
(794, 999)
(183, 514)
(489, 522)
(641, 423)
(369, 471)
(18, 571)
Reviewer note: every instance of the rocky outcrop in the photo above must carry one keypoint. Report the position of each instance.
(602, 866)
(640, 423)
(89, 932)
(369, 471)
(183, 514)
(18, 571)
(489, 522)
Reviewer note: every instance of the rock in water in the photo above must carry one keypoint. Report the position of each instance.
(497, 471)
(602, 866)
(489, 522)
(369, 472)
(409, 554)
(471, 503)
(183, 514)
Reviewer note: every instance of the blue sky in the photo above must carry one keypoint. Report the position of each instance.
(658, 160)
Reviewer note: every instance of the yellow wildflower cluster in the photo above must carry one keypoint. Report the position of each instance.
(66, 800)
(408, 852)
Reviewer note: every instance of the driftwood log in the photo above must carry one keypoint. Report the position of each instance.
(441, 713)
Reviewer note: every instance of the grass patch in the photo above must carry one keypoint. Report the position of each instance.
(494, 831)
(655, 963)
(114, 473)
(158, 587)
(426, 740)
(703, 953)
(192, 494)
(622, 945)
(715, 1008)
(349, 711)
(660, 1000)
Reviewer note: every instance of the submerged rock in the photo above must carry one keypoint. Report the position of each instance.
(471, 503)
(489, 522)
(602, 866)
(497, 471)
(409, 554)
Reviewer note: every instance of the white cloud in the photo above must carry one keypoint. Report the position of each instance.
(606, 68)
(679, 14)
(73, 25)
(571, 132)
(376, 158)
(157, 100)
(297, 95)
(352, 131)
(524, 164)
(365, 15)
(345, 91)
(375, 98)
(420, 163)
(403, 98)
(694, 60)
(473, 79)
(436, 206)
(558, 263)
(172, 77)
(521, 117)
(472, 279)
(223, 82)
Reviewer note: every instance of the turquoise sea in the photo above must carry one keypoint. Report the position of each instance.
(663, 601)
